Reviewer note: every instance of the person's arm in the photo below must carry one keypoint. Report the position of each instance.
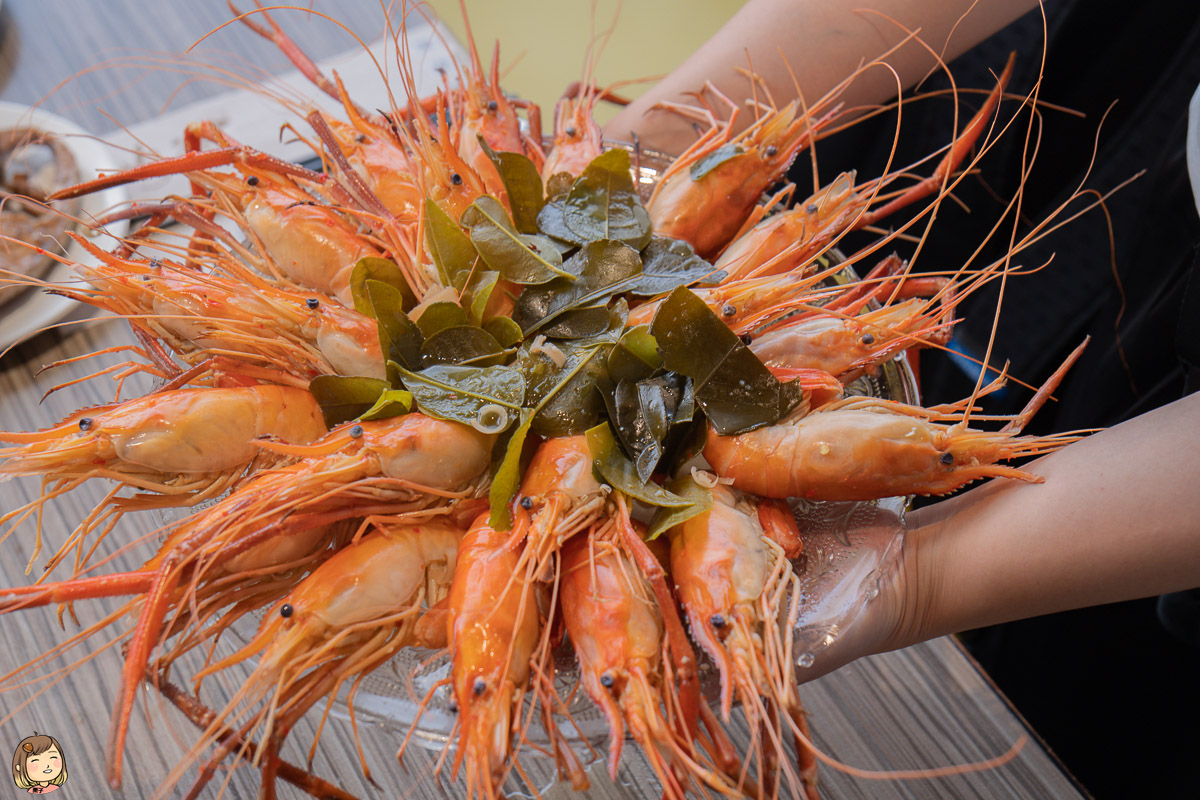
(1118, 518)
(823, 41)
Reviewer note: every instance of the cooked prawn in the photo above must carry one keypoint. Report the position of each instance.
(386, 466)
(351, 614)
(707, 194)
(731, 580)
(494, 632)
(868, 448)
(614, 622)
(233, 311)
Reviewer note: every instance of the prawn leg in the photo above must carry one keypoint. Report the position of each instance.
(202, 717)
(958, 151)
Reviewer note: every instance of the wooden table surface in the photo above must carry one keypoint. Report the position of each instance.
(927, 706)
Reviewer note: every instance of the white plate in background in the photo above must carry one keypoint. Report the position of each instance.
(36, 309)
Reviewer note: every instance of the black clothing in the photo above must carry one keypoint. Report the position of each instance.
(1110, 689)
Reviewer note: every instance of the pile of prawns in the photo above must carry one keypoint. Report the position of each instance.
(371, 537)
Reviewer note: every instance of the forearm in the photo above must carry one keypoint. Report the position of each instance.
(822, 41)
(1118, 518)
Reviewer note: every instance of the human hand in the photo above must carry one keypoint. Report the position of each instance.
(857, 584)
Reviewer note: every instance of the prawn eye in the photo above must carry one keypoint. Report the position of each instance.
(771, 150)
(252, 180)
(479, 687)
(570, 131)
(360, 138)
(313, 303)
(606, 680)
(492, 105)
(746, 338)
(85, 423)
(526, 503)
(947, 459)
(728, 310)
(868, 339)
(356, 432)
(812, 209)
(455, 178)
(286, 610)
(717, 621)
(453, 706)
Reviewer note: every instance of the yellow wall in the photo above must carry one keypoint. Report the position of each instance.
(543, 43)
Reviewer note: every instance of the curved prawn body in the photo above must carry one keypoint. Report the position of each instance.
(234, 311)
(169, 441)
(707, 211)
(300, 237)
(613, 621)
(867, 448)
(385, 466)
(482, 111)
(791, 239)
(494, 632)
(846, 346)
(174, 597)
(349, 615)
(733, 582)
(309, 243)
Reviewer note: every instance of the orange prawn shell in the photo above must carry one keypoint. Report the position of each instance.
(610, 613)
(838, 345)
(493, 629)
(717, 559)
(181, 431)
(309, 243)
(708, 212)
(858, 454)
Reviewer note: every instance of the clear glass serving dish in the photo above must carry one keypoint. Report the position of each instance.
(849, 549)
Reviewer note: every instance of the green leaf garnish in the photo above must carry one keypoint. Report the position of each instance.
(507, 479)
(461, 344)
(635, 356)
(477, 292)
(450, 246)
(439, 316)
(342, 398)
(604, 268)
(505, 331)
(523, 183)
(378, 269)
(521, 258)
(551, 222)
(399, 338)
(699, 499)
(642, 413)
(620, 473)
(603, 203)
(391, 403)
(459, 393)
(737, 392)
(668, 263)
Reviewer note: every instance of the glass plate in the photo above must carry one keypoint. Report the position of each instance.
(849, 548)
